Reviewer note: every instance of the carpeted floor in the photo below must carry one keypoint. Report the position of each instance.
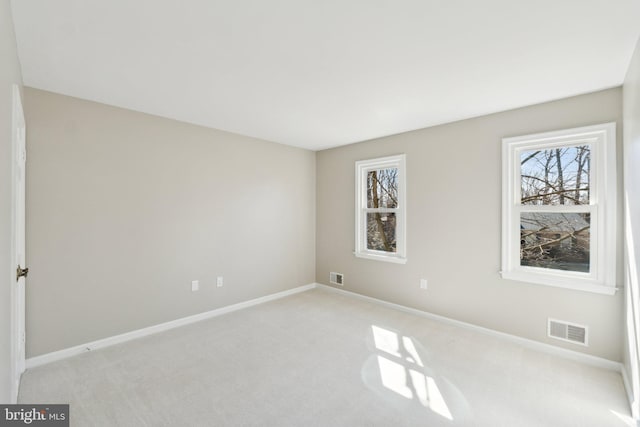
(325, 359)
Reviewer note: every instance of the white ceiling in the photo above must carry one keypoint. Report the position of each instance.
(323, 73)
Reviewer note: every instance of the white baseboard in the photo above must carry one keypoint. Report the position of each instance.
(32, 362)
(629, 389)
(627, 384)
(535, 345)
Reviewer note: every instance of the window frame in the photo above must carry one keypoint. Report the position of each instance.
(362, 167)
(602, 207)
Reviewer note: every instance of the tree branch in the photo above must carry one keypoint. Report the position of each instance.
(558, 240)
(561, 192)
(531, 156)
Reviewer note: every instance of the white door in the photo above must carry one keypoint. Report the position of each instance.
(19, 273)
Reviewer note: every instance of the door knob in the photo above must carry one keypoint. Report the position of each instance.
(21, 272)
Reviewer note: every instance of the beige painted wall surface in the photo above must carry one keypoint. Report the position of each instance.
(10, 74)
(631, 103)
(125, 209)
(454, 229)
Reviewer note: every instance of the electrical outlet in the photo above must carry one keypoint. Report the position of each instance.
(195, 285)
(423, 283)
(219, 281)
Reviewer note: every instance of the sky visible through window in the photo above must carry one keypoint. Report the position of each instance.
(558, 176)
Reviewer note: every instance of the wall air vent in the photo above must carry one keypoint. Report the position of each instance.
(336, 278)
(566, 331)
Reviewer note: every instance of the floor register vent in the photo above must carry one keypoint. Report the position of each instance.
(566, 331)
(336, 278)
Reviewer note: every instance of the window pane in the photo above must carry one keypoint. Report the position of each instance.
(557, 176)
(382, 188)
(558, 241)
(381, 231)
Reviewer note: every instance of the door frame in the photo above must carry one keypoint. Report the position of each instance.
(18, 219)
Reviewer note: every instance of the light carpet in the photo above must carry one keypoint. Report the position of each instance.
(323, 359)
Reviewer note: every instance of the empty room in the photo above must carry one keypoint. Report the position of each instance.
(329, 213)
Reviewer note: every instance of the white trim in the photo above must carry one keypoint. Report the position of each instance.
(381, 257)
(43, 359)
(627, 385)
(602, 277)
(361, 167)
(17, 291)
(587, 359)
(558, 281)
(632, 311)
(525, 342)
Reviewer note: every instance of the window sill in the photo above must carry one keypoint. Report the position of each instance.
(560, 282)
(385, 258)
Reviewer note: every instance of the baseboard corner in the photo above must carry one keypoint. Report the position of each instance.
(65, 353)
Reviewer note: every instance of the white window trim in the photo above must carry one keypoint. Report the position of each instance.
(361, 251)
(602, 278)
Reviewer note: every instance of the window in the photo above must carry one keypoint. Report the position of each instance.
(559, 208)
(380, 209)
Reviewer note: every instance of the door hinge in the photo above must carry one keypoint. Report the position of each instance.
(21, 272)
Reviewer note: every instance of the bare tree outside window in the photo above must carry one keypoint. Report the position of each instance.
(558, 176)
(559, 208)
(380, 220)
(382, 195)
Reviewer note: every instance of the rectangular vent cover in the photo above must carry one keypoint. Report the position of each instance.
(336, 278)
(566, 331)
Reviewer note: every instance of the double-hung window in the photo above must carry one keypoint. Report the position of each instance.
(559, 208)
(380, 209)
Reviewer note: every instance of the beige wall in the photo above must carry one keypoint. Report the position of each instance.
(631, 97)
(125, 209)
(9, 75)
(453, 226)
